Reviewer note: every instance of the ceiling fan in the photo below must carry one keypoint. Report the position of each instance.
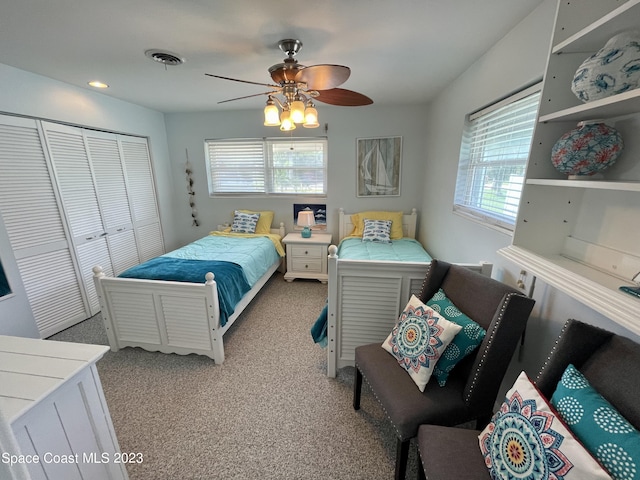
(299, 86)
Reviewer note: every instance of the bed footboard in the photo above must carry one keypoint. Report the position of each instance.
(365, 299)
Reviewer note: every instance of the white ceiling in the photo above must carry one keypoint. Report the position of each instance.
(399, 51)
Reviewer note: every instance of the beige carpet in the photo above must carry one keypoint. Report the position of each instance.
(268, 412)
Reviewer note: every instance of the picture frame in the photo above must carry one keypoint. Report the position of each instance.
(378, 166)
(319, 215)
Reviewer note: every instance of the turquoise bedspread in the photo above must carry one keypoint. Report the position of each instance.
(402, 250)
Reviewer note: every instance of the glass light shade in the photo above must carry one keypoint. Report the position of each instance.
(310, 118)
(271, 115)
(285, 122)
(297, 111)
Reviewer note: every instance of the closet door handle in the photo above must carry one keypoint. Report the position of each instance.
(104, 234)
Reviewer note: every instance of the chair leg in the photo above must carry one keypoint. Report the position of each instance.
(402, 455)
(357, 389)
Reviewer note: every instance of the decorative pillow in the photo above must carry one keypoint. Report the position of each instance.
(418, 340)
(244, 222)
(598, 425)
(525, 439)
(396, 222)
(264, 222)
(377, 231)
(464, 342)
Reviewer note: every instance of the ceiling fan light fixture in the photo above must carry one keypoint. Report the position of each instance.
(310, 117)
(286, 124)
(297, 110)
(271, 114)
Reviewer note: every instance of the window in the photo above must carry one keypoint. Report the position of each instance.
(493, 158)
(271, 166)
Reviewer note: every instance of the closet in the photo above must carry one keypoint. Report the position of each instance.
(73, 198)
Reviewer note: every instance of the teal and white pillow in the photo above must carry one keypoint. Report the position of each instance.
(377, 231)
(463, 344)
(244, 222)
(418, 340)
(526, 440)
(610, 438)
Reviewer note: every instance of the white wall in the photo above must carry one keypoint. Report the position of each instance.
(517, 60)
(28, 94)
(345, 124)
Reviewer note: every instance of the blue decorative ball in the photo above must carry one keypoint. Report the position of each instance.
(588, 149)
(614, 69)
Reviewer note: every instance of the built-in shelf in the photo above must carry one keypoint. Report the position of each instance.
(625, 103)
(590, 184)
(591, 287)
(593, 37)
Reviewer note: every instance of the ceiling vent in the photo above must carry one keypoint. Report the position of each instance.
(164, 57)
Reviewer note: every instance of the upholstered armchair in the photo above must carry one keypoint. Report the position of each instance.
(472, 386)
(609, 362)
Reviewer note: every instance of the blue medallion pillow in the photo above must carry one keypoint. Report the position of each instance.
(377, 231)
(244, 222)
(464, 342)
(610, 438)
(418, 340)
(526, 440)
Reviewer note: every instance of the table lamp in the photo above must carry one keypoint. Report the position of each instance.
(306, 220)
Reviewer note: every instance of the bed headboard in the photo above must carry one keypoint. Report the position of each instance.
(409, 222)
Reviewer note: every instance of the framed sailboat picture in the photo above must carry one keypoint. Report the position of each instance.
(378, 164)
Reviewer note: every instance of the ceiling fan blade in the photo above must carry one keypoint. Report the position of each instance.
(323, 77)
(342, 97)
(243, 81)
(249, 96)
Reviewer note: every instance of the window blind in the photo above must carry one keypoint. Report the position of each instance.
(493, 158)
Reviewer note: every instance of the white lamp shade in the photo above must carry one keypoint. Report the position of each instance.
(310, 118)
(286, 123)
(271, 116)
(306, 218)
(297, 111)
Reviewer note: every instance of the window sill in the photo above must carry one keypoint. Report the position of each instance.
(483, 222)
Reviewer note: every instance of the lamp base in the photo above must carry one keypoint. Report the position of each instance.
(306, 232)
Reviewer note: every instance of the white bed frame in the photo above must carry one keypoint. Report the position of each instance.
(366, 297)
(169, 317)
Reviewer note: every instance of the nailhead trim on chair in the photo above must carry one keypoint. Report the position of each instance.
(384, 409)
(553, 350)
(496, 325)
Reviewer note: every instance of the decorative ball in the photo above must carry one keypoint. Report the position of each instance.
(614, 69)
(587, 149)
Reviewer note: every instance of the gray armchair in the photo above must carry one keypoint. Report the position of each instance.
(594, 351)
(473, 385)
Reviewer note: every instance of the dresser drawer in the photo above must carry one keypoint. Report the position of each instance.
(306, 264)
(314, 251)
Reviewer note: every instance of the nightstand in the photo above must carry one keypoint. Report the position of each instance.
(307, 257)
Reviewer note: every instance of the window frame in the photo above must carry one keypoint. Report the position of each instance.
(265, 172)
(498, 221)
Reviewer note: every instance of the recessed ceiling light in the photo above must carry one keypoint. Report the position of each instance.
(97, 84)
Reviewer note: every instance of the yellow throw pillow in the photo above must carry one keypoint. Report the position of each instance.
(264, 222)
(396, 222)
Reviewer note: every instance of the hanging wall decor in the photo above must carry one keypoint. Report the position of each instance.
(192, 201)
(378, 166)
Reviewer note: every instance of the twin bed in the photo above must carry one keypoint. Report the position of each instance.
(187, 299)
(369, 284)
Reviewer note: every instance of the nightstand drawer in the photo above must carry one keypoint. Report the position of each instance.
(307, 264)
(314, 251)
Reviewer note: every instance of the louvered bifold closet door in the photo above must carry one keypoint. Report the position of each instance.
(31, 213)
(105, 158)
(75, 181)
(142, 195)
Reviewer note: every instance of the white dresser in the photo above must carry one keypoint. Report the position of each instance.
(55, 420)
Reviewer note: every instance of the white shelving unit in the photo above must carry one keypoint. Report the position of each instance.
(582, 237)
